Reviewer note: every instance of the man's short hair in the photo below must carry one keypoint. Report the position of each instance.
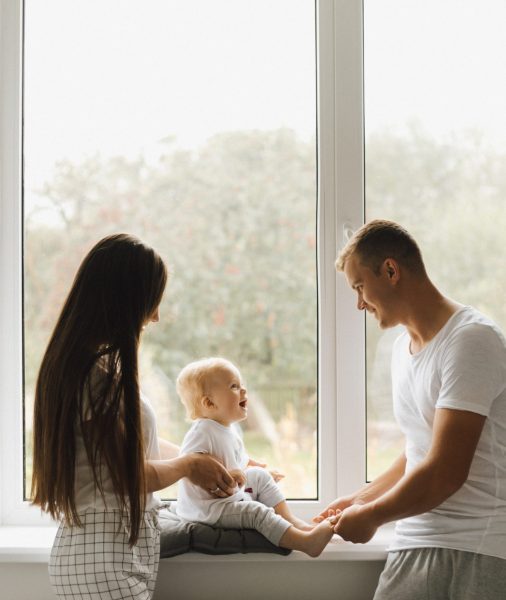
(378, 240)
(193, 381)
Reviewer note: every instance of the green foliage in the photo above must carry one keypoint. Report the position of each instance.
(236, 222)
(451, 195)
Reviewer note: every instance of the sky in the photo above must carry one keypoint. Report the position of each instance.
(442, 62)
(116, 77)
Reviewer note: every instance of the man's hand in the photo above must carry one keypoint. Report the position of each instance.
(334, 508)
(238, 476)
(356, 524)
(209, 474)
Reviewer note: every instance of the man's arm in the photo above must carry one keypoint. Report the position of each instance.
(369, 492)
(444, 470)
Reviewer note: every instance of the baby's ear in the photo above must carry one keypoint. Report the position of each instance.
(206, 402)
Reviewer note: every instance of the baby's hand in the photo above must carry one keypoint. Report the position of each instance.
(238, 476)
(276, 475)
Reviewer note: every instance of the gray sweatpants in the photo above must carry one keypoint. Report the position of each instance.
(256, 513)
(441, 574)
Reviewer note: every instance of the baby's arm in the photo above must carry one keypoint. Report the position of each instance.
(276, 475)
(254, 463)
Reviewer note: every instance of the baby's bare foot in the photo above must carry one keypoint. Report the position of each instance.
(319, 537)
(302, 525)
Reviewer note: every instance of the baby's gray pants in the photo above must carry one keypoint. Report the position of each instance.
(256, 513)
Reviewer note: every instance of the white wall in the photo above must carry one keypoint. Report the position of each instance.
(219, 579)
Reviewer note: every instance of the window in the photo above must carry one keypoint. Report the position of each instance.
(138, 179)
(435, 133)
(170, 127)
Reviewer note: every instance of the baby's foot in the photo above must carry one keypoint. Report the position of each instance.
(319, 537)
(302, 525)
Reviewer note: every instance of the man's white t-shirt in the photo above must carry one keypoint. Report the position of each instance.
(462, 368)
(87, 494)
(225, 444)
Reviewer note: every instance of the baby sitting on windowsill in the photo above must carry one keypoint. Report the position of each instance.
(214, 395)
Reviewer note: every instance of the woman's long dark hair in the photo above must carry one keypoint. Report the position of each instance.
(118, 287)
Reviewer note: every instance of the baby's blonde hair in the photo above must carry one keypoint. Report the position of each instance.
(192, 382)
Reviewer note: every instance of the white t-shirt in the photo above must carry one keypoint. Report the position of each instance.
(463, 368)
(225, 444)
(87, 494)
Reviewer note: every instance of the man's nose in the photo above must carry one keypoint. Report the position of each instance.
(361, 304)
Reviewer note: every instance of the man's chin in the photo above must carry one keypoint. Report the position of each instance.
(383, 323)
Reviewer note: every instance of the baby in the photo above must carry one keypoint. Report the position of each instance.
(215, 397)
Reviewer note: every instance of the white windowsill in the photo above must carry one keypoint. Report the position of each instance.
(33, 545)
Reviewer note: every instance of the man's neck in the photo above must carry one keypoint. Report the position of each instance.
(429, 312)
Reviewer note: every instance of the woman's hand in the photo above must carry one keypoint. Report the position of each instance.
(238, 476)
(209, 474)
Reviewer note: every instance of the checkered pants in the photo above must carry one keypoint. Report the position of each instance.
(94, 562)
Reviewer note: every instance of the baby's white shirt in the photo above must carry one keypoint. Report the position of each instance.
(225, 444)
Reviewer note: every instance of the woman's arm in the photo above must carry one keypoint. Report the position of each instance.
(201, 469)
(168, 450)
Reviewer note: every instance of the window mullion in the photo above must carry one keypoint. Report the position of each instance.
(11, 408)
(349, 192)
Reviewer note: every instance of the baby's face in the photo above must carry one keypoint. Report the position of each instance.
(228, 395)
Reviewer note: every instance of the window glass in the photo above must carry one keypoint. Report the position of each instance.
(192, 125)
(435, 91)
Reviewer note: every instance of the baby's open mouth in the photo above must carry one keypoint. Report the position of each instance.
(243, 403)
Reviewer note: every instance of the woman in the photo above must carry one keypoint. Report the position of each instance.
(96, 453)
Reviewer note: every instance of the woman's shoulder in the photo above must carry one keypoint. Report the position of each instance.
(147, 409)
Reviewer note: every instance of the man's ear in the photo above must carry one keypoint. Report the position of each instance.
(391, 269)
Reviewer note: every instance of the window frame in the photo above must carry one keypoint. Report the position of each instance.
(342, 402)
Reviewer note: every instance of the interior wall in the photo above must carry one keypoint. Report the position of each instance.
(291, 580)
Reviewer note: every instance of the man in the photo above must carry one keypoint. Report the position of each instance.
(448, 489)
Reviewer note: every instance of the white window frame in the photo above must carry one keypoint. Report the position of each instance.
(342, 426)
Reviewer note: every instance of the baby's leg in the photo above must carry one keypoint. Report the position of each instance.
(254, 515)
(262, 487)
(311, 542)
(284, 511)
(248, 514)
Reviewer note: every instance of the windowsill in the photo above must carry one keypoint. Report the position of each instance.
(33, 545)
